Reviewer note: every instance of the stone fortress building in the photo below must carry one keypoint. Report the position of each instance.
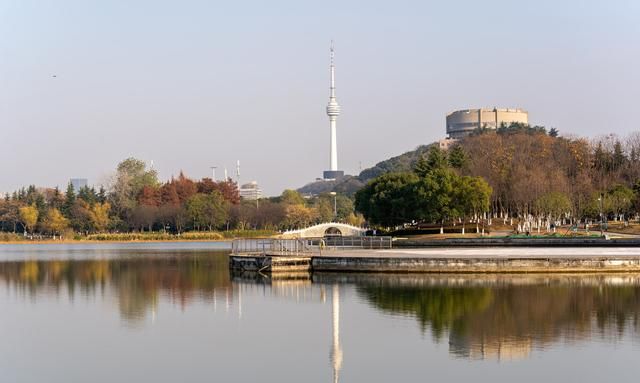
(462, 122)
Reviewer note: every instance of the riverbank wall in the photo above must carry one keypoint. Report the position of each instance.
(475, 265)
(516, 242)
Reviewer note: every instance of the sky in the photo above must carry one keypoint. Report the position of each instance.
(193, 84)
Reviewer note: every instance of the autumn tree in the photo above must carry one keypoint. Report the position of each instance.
(100, 216)
(54, 222)
(29, 217)
(298, 216)
(10, 213)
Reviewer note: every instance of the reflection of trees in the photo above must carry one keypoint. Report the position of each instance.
(137, 281)
(507, 318)
(436, 307)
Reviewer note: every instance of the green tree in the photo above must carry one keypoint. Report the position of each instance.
(620, 200)
(69, 200)
(436, 159)
(457, 157)
(553, 204)
(88, 194)
(421, 168)
(207, 210)
(472, 197)
(434, 196)
(292, 197)
(388, 200)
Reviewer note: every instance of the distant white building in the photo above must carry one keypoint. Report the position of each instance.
(78, 183)
(250, 191)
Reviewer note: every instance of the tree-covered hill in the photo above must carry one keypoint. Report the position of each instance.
(350, 184)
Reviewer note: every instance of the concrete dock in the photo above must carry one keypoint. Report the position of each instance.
(456, 260)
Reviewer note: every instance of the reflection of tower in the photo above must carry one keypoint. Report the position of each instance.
(333, 111)
(336, 350)
(239, 301)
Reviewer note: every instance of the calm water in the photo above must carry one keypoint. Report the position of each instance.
(173, 313)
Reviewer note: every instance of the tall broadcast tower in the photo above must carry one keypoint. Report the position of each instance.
(333, 111)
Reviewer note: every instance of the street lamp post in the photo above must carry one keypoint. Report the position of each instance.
(213, 173)
(335, 205)
(601, 215)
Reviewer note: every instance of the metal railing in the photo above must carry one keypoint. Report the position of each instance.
(306, 246)
(271, 246)
(357, 242)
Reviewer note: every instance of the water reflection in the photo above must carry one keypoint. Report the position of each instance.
(477, 316)
(506, 317)
(136, 282)
(336, 349)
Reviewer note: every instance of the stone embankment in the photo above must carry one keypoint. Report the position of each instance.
(518, 242)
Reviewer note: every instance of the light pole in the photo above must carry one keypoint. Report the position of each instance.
(601, 215)
(335, 205)
(213, 173)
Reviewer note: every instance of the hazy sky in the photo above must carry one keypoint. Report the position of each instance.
(191, 84)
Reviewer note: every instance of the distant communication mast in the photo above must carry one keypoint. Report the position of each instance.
(333, 111)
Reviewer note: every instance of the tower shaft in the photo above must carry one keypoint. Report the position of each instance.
(333, 111)
(334, 145)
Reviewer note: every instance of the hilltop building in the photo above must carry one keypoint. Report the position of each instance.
(333, 111)
(462, 122)
(250, 191)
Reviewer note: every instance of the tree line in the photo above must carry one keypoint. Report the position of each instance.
(519, 172)
(136, 201)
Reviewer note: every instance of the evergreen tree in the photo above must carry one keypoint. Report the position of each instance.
(57, 200)
(421, 168)
(102, 195)
(69, 200)
(436, 159)
(88, 195)
(619, 158)
(457, 157)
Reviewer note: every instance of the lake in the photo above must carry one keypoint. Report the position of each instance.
(172, 312)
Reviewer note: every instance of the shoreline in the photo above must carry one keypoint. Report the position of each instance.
(95, 241)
